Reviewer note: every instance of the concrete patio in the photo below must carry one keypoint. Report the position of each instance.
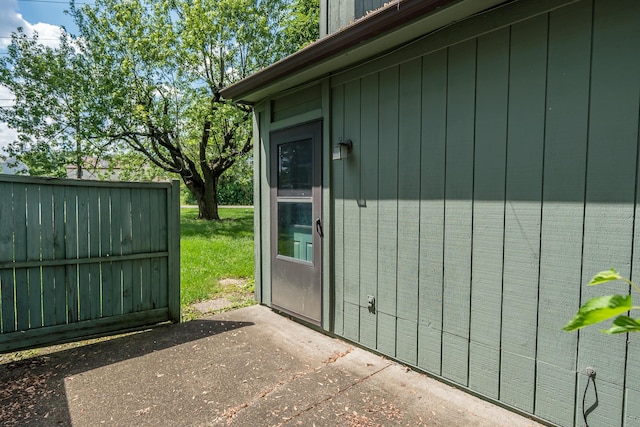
(248, 367)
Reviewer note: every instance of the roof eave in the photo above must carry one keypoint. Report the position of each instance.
(353, 37)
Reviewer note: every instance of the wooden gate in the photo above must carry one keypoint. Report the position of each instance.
(80, 258)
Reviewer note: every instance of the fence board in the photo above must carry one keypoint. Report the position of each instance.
(173, 259)
(71, 252)
(47, 251)
(20, 254)
(60, 282)
(33, 254)
(136, 246)
(95, 289)
(145, 235)
(7, 302)
(72, 246)
(106, 269)
(163, 245)
(154, 245)
(166, 282)
(126, 237)
(81, 261)
(116, 249)
(84, 277)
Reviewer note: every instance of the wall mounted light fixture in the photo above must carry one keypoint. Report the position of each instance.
(341, 149)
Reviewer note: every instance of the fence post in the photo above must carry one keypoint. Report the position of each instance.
(173, 217)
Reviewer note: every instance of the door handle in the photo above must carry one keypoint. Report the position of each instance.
(319, 227)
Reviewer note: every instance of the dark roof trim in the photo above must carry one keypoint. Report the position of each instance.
(376, 23)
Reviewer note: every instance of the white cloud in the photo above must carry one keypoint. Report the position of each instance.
(5, 96)
(7, 135)
(10, 20)
(49, 34)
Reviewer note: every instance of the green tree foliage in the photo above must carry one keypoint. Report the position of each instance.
(236, 186)
(144, 76)
(603, 308)
(50, 113)
(163, 64)
(132, 165)
(303, 26)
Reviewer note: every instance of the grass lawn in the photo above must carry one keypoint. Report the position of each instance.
(211, 251)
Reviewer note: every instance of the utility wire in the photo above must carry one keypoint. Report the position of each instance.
(49, 1)
(32, 38)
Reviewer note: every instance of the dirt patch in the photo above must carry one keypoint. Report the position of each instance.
(213, 305)
(233, 282)
(232, 293)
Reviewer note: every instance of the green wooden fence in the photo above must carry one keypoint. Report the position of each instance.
(80, 258)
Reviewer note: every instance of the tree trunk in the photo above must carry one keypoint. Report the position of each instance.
(208, 204)
(78, 156)
(206, 195)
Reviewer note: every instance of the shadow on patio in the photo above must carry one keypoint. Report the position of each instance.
(36, 391)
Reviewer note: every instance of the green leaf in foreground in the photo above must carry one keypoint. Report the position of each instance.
(623, 324)
(598, 309)
(604, 277)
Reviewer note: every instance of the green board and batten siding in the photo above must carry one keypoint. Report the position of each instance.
(336, 15)
(523, 192)
(432, 187)
(494, 171)
(337, 175)
(387, 210)
(369, 211)
(458, 214)
(566, 132)
(507, 175)
(351, 213)
(79, 258)
(612, 168)
(488, 211)
(408, 210)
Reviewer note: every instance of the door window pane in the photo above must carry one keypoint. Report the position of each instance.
(295, 168)
(295, 230)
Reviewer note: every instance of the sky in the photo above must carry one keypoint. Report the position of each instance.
(44, 16)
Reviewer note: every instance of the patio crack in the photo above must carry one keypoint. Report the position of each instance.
(333, 395)
(231, 413)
